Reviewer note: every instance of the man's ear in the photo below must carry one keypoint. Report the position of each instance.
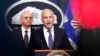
(42, 20)
(32, 19)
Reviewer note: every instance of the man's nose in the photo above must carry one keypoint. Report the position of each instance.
(48, 19)
(29, 18)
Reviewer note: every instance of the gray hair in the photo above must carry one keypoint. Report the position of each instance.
(46, 10)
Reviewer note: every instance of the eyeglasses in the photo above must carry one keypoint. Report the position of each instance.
(27, 17)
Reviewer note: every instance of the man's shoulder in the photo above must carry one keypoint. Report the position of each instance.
(59, 28)
(39, 30)
(17, 29)
(33, 29)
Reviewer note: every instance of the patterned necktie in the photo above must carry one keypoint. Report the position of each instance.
(26, 39)
(50, 40)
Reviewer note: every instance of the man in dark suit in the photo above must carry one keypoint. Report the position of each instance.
(51, 37)
(89, 42)
(20, 42)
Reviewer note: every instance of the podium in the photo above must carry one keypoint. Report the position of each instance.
(54, 52)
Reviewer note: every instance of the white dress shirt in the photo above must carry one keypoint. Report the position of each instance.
(28, 32)
(46, 34)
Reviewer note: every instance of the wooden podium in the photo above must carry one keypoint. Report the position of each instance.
(46, 52)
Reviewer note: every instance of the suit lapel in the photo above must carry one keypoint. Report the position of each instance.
(32, 33)
(20, 38)
(55, 38)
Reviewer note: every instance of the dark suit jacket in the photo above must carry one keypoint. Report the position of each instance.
(89, 42)
(17, 46)
(60, 39)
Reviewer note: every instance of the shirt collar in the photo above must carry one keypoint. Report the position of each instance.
(45, 29)
(23, 29)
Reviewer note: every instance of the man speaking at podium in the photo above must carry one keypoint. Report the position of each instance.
(49, 36)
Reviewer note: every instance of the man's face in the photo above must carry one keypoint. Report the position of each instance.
(48, 19)
(26, 19)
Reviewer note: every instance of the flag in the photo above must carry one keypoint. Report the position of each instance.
(89, 40)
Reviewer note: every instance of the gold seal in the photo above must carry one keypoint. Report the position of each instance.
(58, 53)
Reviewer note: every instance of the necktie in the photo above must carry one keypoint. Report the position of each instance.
(26, 39)
(50, 40)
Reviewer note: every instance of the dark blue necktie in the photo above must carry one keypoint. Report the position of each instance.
(26, 39)
(50, 40)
